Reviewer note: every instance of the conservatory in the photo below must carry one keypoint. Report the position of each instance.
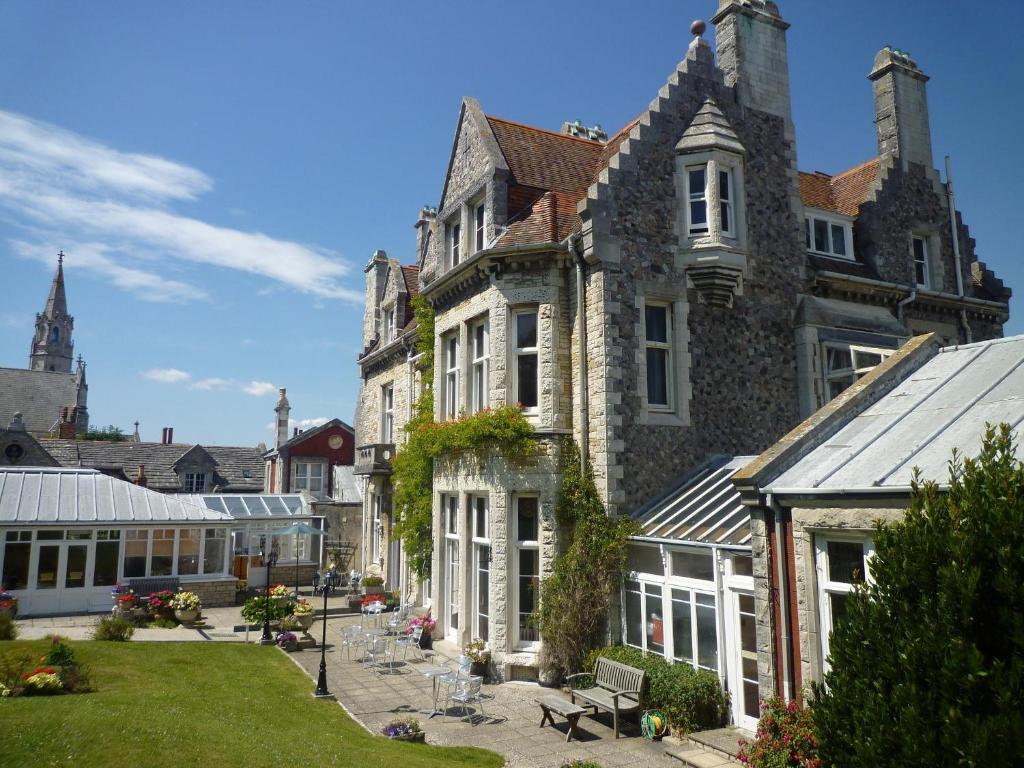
(689, 595)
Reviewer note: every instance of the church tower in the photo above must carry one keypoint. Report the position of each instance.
(51, 346)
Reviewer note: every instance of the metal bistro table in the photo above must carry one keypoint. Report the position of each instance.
(434, 673)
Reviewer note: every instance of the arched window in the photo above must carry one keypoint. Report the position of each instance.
(54, 335)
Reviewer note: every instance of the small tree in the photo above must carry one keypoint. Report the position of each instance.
(927, 668)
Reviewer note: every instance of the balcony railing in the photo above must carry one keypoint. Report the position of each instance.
(374, 459)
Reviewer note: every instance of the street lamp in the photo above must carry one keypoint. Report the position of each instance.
(267, 638)
(321, 691)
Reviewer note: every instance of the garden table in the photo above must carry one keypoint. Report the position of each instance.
(433, 673)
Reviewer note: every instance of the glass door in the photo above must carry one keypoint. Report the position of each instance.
(46, 598)
(62, 577)
(75, 578)
(745, 692)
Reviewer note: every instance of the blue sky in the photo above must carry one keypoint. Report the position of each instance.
(218, 173)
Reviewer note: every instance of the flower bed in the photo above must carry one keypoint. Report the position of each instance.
(55, 672)
(407, 729)
(785, 737)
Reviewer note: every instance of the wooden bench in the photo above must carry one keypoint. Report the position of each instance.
(566, 709)
(618, 688)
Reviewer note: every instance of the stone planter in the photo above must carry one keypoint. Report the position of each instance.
(187, 617)
(415, 737)
(305, 620)
(376, 589)
(426, 642)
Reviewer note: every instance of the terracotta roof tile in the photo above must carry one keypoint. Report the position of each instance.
(842, 193)
(551, 218)
(412, 287)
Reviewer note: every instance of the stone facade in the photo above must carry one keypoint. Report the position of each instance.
(600, 238)
(213, 594)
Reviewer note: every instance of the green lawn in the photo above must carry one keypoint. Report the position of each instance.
(197, 704)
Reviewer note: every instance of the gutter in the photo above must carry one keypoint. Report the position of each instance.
(484, 259)
(981, 304)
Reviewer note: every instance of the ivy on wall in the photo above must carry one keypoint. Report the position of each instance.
(503, 431)
(576, 596)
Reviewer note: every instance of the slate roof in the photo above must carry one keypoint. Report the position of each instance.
(123, 459)
(38, 395)
(62, 496)
(842, 193)
(704, 508)
(944, 404)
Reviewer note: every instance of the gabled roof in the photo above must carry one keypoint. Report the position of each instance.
(197, 455)
(545, 159)
(704, 508)
(37, 395)
(312, 431)
(61, 496)
(710, 129)
(841, 194)
(943, 404)
(238, 469)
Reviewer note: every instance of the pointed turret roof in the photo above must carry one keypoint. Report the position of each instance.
(710, 129)
(57, 303)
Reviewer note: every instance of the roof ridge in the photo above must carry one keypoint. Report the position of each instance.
(559, 134)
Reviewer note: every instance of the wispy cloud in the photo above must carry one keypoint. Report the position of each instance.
(211, 383)
(302, 424)
(166, 375)
(258, 388)
(112, 213)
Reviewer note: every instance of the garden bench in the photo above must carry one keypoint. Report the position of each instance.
(571, 712)
(143, 586)
(617, 688)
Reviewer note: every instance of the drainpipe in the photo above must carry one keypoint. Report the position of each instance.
(581, 325)
(782, 576)
(956, 248)
(904, 302)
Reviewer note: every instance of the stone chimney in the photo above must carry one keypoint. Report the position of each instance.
(376, 272)
(67, 427)
(901, 107)
(427, 217)
(750, 36)
(140, 478)
(282, 409)
(16, 425)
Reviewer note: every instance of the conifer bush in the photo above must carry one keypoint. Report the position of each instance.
(927, 668)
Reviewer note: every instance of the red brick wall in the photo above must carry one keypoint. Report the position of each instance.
(318, 446)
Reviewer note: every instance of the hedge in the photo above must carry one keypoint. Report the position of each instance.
(692, 699)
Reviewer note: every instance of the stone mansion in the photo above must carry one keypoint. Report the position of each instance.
(676, 292)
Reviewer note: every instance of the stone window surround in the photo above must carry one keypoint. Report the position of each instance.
(518, 545)
(463, 215)
(823, 587)
(515, 352)
(678, 414)
(932, 271)
(387, 411)
(831, 218)
(714, 161)
(479, 396)
(388, 325)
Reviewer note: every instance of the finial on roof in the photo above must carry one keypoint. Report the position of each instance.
(60, 257)
(698, 27)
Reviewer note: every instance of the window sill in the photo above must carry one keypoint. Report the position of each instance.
(662, 418)
(836, 256)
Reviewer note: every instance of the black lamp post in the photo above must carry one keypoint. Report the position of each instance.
(321, 680)
(267, 638)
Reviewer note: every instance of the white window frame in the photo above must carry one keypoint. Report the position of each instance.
(195, 482)
(697, 196)
(387, 408)
(668, 407)
(849, 375)
(479, 222)
(303, 476)
(377, 522)
(923, 264)
(481, 541)
(452, 388)
(729, 202)
(479, 396)
(518, 352)
(831, 224)
(388, 325)
(454, 236)
(518, 545)
(827, 587)
(453, 566)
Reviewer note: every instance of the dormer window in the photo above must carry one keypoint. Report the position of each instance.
(388, 325)
(827, 236)
(479, 228)
(454, 244)
(195, 482)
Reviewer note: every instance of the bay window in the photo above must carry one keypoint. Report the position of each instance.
(526, 369)
(697, 195)
(526, 564)
(479, 341)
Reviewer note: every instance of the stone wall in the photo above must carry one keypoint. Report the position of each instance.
(213, 594)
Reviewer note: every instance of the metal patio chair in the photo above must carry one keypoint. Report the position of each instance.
(467, 691)
(411, 640)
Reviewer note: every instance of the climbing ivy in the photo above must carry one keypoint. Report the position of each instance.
(576, 596)
(503, 431)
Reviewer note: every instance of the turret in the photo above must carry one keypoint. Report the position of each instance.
(376, 273)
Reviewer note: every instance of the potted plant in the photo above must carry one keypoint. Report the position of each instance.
(303, 614)
(256, 608)
(480, 656)
(186, 607)
(279, 593)
(372, 585)
(407, 729)
(160, 603)
(287, 640)
(428, 623)
(8, 602)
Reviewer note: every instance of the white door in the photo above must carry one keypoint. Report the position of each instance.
(62, 577)
(743, 681)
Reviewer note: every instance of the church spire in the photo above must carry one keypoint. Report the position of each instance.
(52, 347)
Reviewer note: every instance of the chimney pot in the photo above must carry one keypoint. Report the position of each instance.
(170, 435)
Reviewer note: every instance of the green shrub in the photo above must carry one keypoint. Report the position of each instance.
(13, 666)
(114, 628)
(690, 698)
(8, 629)
(927, 666)
(60, 653)
(256, 608)
(75, 678)
(372, 581)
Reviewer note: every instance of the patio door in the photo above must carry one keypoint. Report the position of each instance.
(451, 592)
(743, 681)
(62, 577)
